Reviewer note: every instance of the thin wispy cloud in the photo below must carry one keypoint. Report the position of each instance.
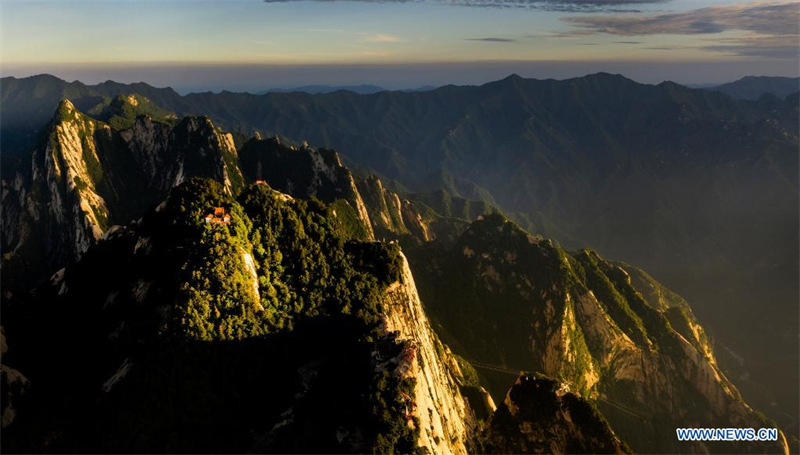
(568, 6)
(762, 18)
(589, 6)
(769, 29)
(758, 46)
(380, 38)
(493, 40)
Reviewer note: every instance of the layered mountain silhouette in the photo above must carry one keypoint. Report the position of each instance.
(363, 89)
(608, 330)
(696, 187)
(754, 87)
(678, 174)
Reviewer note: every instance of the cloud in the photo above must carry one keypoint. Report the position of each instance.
(493, 40)
(758, 46)
(768, 29)
(379, 38)
(571, 6)
(762, 18)
(589, 6)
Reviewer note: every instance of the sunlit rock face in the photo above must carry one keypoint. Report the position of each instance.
(446, 423)
(521, 301)
(86, 175)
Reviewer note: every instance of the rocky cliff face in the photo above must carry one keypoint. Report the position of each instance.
(63, 204)
(87, 175)
(306, 172)
(446, 422)
(93, 172)
(311, 344)
(391, 216)
(418, 217)
(168, 155)
(521, 301)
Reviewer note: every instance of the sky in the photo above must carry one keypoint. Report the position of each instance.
(251, 45)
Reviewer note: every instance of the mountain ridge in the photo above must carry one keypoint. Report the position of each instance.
(754, 87)
(389, 207)
(182, 320)
(580, 319)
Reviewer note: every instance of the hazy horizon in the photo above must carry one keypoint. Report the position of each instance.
(251, 45)
(255, 78)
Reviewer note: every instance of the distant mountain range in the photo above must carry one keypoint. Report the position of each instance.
(748, 88)
(363, 89)
(753, 87)
(296, 322)
(696, 187)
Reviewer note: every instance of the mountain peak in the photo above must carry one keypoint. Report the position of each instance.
(607, 78)
(605, 75)
(66, 104)
(65, 111)
(44, 77)
(131, 99)
(512, 80)
(123, 110)
(491, 228)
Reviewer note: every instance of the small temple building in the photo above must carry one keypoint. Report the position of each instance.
(220, 216)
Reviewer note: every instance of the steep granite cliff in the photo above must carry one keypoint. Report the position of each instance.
(446, 423)
(307, 172)
(271, 332)
(87, 175)
(507, 297)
